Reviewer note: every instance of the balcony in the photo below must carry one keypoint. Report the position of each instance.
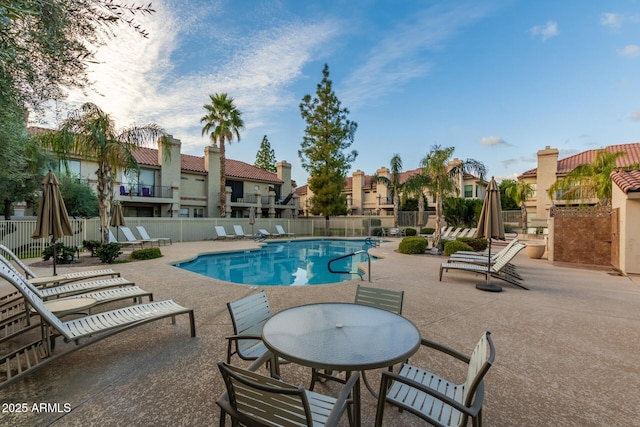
(146, 191)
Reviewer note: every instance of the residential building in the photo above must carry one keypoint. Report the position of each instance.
(625, 201)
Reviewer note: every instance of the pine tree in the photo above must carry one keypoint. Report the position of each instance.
(328, 135)
(266, 157)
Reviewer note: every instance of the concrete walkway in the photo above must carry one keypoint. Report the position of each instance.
(567, 350)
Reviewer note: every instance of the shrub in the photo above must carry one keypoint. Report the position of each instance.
(412, 245)
(410, 232)
(508, 228)
(479, 244)
(91, 245)
(64, 254)
(427, 230)
(147, 253)
(378, 231)
(108, 252)
(453, 246)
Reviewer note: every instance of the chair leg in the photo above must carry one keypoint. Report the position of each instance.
(223, 418)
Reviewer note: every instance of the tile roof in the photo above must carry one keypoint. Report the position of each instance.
(234, 168)
(568, 164)
(628, 181)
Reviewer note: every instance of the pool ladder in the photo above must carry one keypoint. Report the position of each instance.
(349, 272)
(373, 242)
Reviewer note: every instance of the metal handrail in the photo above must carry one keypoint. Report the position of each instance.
(372, 241)
(350, 255)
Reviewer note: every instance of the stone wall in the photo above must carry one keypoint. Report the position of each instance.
(582, 235)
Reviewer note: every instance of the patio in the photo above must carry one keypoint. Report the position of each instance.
(566, 350)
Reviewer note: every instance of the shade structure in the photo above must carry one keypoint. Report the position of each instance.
(252, 218)
(117, 218)
(490, 226)
(53, 220)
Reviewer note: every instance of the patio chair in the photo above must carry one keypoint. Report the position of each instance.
(383, 299)
(82, 331)
(455, 234)
(58, 279)
(131, 239)
(221, 233)
(145, 236)
(281, 233)
(252, 399)
(240, 234)
(112, 239)
(264, 233)
(498, 269)
(435, 399)
(483, 258)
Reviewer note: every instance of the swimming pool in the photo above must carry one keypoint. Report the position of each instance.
(286, 263)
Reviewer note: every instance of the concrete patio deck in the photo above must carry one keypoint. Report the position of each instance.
(567, 350)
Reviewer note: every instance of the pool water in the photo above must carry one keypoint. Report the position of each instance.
(286, 263)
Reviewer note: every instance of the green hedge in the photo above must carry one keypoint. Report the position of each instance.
(479, 244)
(410, 232)
(452, 246)
(147, 253)
(412, 245)
(108, 252)
(427, 230)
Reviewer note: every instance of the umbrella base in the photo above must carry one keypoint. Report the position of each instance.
(489, 287)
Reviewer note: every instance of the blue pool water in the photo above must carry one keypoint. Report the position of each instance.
(287, 263)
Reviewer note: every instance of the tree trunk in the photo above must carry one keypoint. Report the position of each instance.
(523, 208)
(437, 233)
(7, 209)
(105, 186)
(420, 212)
(396, 202)
(223, 184)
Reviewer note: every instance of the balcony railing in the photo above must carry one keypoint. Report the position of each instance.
(141, 190)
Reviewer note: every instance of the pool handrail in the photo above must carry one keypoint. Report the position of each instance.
(349, 272)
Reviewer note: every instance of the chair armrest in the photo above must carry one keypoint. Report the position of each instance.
(343, 399)
(444, 349)
(267, 356)
(244, 337)
(471, 411)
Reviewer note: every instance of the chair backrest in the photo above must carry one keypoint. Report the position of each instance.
(6, 263)
(220, 231)
(238, 230)
(481, 360)
(248, 315)
(380, 298)
(143, 232)
(123, 192)
(446, 232)
(280, 230)
(507, 257)
(265, 401)
(8, 252)
(112, 238)
(146, 191)
(128, 234)
(264, 232)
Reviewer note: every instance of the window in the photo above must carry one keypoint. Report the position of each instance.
(237, 189)
(70, 167)
(198, 212)
(468, 191)
(184, 213)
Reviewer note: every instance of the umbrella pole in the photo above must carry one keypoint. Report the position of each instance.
(486, 286)
(53, 242)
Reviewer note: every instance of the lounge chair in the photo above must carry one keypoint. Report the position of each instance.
(240, 234)
(112, 239)
(281, 233)
(499, 269)
(435, 399)
(264, 233)
(257, 400)
(145, 236)
(221, 233)
(131, 239)
(60, 278)
(83, 331)
(455, 234)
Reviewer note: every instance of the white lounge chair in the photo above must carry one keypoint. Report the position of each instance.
(264, 232)
(240, 234)
(112, 239)
(128, 234)
(145, 236)
(83, 331)
(280, 232)
(221, 232)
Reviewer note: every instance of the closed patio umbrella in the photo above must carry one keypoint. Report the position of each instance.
(53, 219)
(117, 218)
(490, 226)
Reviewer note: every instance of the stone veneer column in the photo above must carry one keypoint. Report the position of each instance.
(212, 166)
(170, 172)
(357, 182)
(546, 176)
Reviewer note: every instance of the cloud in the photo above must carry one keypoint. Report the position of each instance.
(493, 140)
(546, 31)
(611, 20)
(632, 50)
(635, 116)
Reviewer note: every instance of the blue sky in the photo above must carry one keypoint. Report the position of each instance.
(497, 80)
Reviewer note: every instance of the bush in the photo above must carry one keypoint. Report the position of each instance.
(412, 245)
(453, 246)
(479, 244)
(427, 230)
(108, 252)
(147, 253)
(410, 232)
(91, 245)
(64, 254)
(378, 231)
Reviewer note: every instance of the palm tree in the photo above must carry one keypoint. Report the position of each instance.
(442, 175)
(520, 192)
(591, 179)
(393, 184)
(91, 134)
(222, 122)
(416, 185)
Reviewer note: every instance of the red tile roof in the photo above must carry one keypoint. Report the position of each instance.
(628, 181)
(570, 163)
(233, 168)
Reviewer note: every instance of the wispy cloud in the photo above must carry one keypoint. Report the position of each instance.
(396, 59)
(611, 20)
(546, 31)
(635, 116)
(493, 140)
(632, 50)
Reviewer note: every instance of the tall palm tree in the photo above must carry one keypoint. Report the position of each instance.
(443, 175)
(222, 122)
(91, 133)
(416, 185)
(590, 180)
(520, 192)
(394, 185)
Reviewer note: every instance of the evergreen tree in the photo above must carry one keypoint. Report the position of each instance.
(328, 135)
(266, 157)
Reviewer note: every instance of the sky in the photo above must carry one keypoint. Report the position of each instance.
(497, 79)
